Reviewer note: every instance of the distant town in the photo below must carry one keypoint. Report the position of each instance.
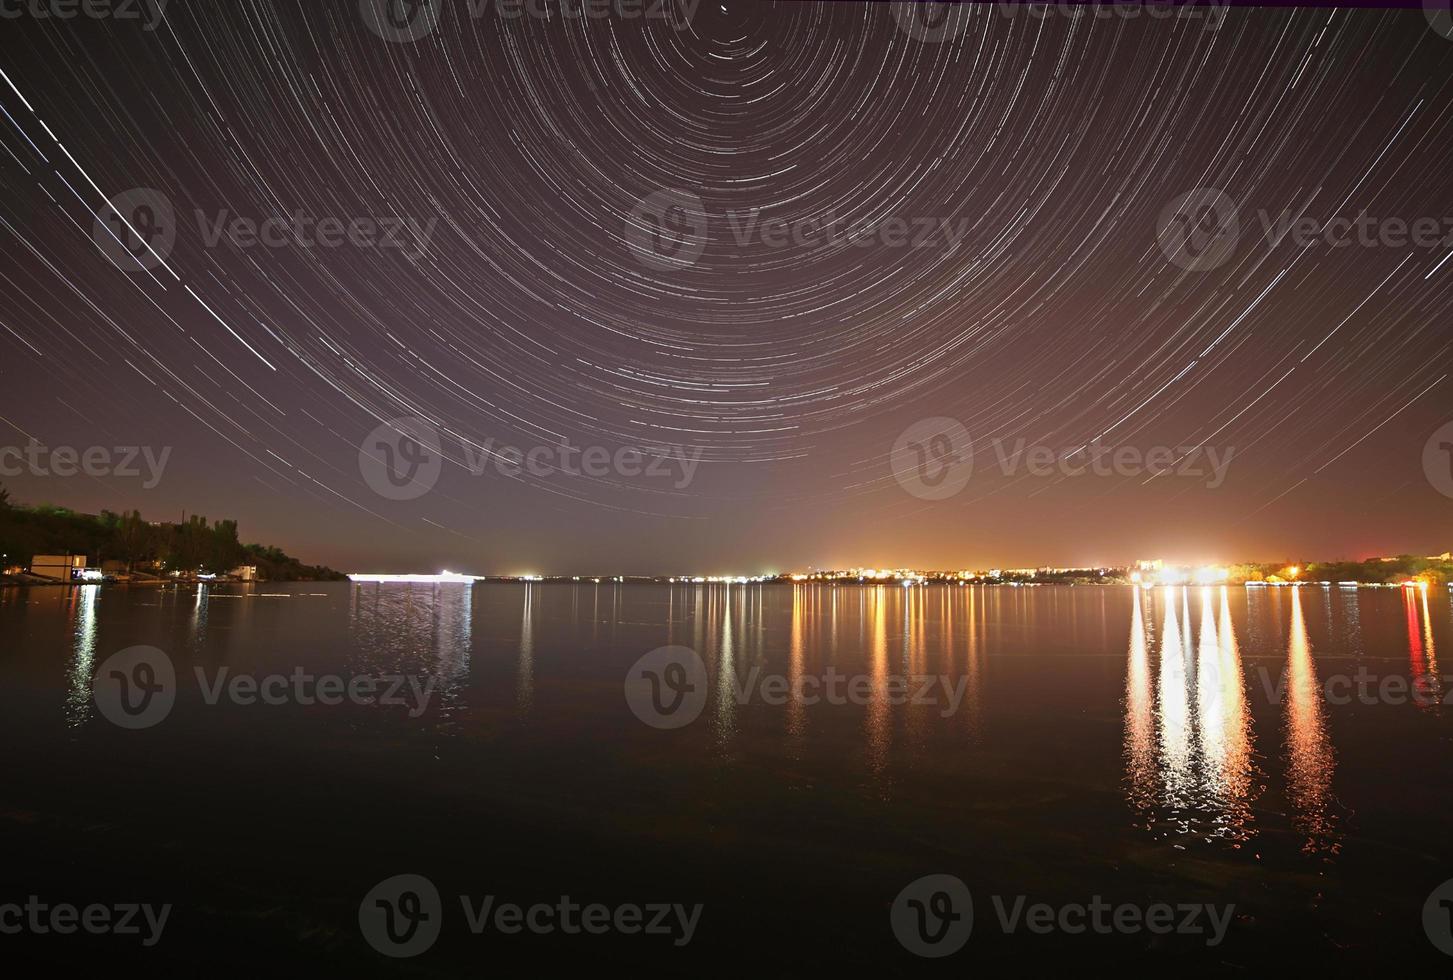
(1391, 572)
(48, 545)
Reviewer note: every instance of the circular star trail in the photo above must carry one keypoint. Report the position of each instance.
(768, 235)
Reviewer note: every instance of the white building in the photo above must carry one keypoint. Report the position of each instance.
(62, 567)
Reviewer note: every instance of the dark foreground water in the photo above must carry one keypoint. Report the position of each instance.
(1205, 780)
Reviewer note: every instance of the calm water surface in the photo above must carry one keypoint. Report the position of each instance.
(1167, 745)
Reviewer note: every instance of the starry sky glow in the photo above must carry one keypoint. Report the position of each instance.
(763, 237)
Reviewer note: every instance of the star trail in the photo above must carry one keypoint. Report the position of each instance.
(666, 279)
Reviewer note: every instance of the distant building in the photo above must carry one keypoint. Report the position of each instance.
(244, 573)
(61, 567)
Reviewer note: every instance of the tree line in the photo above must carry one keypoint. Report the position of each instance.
(194, 545)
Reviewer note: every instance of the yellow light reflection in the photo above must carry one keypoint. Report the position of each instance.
(880, 721)
(1139, 720)
(1310, 761)
(796, 655)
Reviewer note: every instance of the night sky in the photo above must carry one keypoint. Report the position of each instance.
(548, 277)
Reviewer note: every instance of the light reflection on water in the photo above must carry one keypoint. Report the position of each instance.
(83, 653)
(525, 687)
(1230, 743)
(1422, 652)
(1205, 757)
(426, 629)
(1311, 761)
(1190, 748)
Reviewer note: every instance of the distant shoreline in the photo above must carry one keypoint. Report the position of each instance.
(10, 581)
(856, 583)
(33, 582)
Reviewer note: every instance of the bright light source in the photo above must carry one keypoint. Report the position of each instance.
(387, 577)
